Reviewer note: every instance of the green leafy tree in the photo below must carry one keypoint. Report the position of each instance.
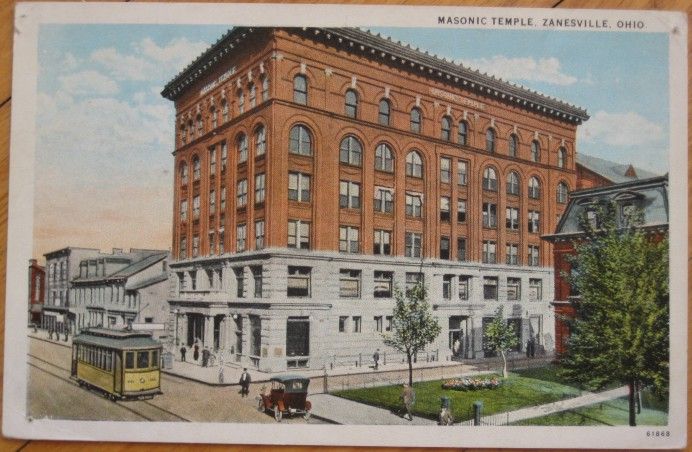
(620, 332)
(413, 325)
(501, 337)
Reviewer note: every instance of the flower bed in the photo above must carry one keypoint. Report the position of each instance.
(470, 384)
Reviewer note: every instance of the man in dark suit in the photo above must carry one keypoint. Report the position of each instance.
(245, 383)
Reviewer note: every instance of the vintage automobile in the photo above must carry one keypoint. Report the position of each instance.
(288, 395)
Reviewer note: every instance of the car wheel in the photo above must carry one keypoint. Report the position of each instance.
(277, 413)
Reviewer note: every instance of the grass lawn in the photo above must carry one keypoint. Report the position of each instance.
(613, 412)
(516, 392)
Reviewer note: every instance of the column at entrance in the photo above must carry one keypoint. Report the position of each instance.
(208, 331)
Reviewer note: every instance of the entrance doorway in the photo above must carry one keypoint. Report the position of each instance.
(297, 341)
(456, 336)
(195, 329)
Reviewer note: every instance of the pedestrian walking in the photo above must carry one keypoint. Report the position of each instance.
(408, 397)
(205, 357)
(376, 358)
(183, 350)
(245, 383)
(50, 333)
(195, 352)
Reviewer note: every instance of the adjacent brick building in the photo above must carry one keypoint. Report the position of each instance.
(649, 195)
(316, 169)
(37, 282)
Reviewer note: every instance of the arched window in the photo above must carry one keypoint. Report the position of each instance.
(224, 110)
(534, 188)
(350, 151)
(241, 101)
(384, 159)
(414, 164)
(260, 140)
(300, 89)
(214, 117)
(190, 130)
(383, 116)
(562, 191)
(265, 88)
(535, 151)
(513, 183)
(196, 168)
(183, 173)
(200, 126)
(463, 136)
(351, 103)
(242, 148)
(489, 179)
(183, 133)
(300, 141)
(253, 95)
(561, 157)
(446, 128)
(416, 119)
(490, 140)
(513, 145)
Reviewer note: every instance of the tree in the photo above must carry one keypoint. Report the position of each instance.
(500, 336)
(413, 326)
(620, 332)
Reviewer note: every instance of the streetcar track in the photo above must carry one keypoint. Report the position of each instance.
(119, 403)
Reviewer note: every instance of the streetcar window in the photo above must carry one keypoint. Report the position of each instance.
(109, 361)
(155, 358)
(142, 360)
(129, 360)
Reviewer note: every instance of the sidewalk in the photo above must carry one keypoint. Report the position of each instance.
(348, 412)
(550, 408)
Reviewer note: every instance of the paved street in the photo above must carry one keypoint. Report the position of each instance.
(53, 394)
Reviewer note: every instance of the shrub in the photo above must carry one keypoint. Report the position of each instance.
(470, 384)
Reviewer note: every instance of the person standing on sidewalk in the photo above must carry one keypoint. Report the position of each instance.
(376, 358)
(245, 383)
(408, 397)
(183, 350)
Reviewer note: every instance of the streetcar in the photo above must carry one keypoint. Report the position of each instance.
(123, 364)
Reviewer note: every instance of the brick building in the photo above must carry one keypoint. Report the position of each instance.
(37, 282)
(316, 169)
(650, 195)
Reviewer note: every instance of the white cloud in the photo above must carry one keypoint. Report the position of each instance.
(176, 53)
(545, 70)
(124, 67)
(621, 129)
(89, 82)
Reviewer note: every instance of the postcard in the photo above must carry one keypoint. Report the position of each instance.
(347, 225)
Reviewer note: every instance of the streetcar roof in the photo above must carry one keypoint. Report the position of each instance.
(120, 339)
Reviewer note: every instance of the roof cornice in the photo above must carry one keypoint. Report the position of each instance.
(393, 53)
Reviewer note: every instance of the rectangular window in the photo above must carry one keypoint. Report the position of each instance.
(298, 284)
(183, 247)
(239, 281)
(349, 283)
(389, 321)
(512, 218)
(129, 360)
(447, 286)
(461, 173)
(444, 248)
(241, 236)
(143, 360)
(222, 244)
(445, 170)
(414, 205)
(382, 243)
(383, 284)
(357, 324)
(461, 210)
(195, 207)
(259, 234)
(224, 156)
(212, 160)
(535, 289)
(512, 254)
(461, 249)
(349, 195)
(413, 244)
(489, 252)
(412, 280)
(212, 245)
(212, 202)
(241, 194)
(489, 215)
(259, 188)
(534, 221)
(444, 209)
(183, 210)
(464, 287)
(384, 200)
(348, 239)
(490, 288)
(533, 255)
(257, 278)
(378, 323)
(195, 245)
(342, 324)
(299, 187)
(298, 234)
(513, 289)
(223, 199)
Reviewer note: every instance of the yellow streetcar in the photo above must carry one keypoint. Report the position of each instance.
(121, 363)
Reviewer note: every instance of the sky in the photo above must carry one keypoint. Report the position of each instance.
(105, 135)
